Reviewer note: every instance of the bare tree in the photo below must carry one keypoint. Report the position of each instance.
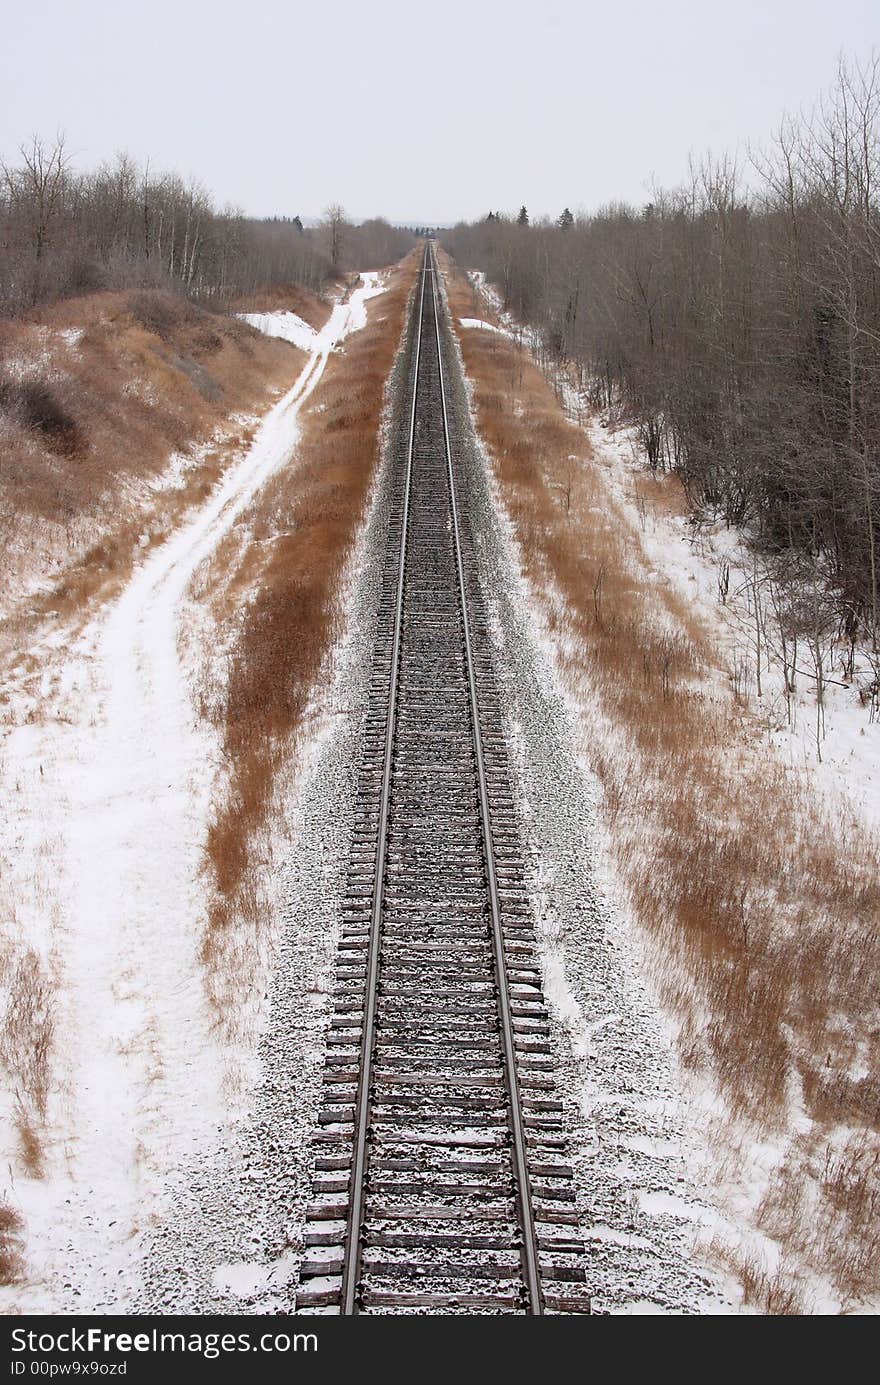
(335, 221)
(35, 191)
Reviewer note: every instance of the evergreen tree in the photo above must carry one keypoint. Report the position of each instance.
(523, 218)
(565, 220)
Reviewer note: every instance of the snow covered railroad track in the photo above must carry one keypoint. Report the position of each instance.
(441, 1182)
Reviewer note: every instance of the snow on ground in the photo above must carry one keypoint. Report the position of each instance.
(105, 791)
(285, 325)
(481, 324)
(845, 755)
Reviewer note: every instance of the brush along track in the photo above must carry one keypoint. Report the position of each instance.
(440, 1179)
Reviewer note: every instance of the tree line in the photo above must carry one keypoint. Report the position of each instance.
(64, 232)
(736, 325)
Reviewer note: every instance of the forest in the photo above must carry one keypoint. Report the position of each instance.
(123, 226)
(734, 322)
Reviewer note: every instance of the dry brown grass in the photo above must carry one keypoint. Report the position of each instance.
(11, 1259)
(27, 1027)
(779, 1293)
(278, 604)
(762, 903)
(28, 1024)
(88, 422)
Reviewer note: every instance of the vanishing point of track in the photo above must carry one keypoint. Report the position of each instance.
(440, 1181)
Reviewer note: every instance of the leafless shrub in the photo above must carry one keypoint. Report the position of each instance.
(163, 313)
(36, 406)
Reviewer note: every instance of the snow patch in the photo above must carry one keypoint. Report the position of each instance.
(247, 1278)
(282, 324)
(482, 325)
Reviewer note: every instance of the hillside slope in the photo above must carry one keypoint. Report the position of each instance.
(97, 396)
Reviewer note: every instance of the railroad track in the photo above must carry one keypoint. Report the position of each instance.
(440, 1182)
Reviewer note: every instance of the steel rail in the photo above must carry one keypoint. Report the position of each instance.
(351, 1270)
(531, 1269)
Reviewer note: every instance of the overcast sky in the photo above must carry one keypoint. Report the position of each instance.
(413, 111)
